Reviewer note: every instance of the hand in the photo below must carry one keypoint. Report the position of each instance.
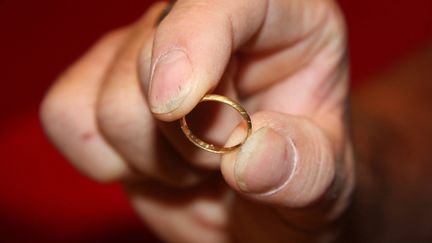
(284, 60)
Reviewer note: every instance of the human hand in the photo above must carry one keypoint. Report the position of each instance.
(283, 60)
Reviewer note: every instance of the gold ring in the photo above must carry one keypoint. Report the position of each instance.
(211, 147)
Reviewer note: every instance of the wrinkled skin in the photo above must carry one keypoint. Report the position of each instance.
(113, 113)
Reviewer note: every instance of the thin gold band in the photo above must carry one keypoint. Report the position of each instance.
(211, 147)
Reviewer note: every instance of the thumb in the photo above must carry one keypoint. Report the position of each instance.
(288, 161)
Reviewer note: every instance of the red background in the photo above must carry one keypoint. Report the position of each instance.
(42, 198)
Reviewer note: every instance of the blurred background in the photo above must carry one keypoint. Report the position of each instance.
(42, 198)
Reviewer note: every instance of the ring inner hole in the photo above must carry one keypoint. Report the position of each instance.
(213, 122)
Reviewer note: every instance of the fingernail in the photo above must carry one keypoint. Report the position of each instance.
(169, 83)
(264, 163)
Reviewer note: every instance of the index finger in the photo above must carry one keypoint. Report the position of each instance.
(194, 44)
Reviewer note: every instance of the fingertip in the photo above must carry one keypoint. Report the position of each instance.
(287, 161)
(170, 81)
(188, 58)
(263, 164)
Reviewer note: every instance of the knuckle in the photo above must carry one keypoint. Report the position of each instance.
(66, 120)
(55, 112)
(121, 110)
(108, 115)
(112, 114)
(60, 118)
